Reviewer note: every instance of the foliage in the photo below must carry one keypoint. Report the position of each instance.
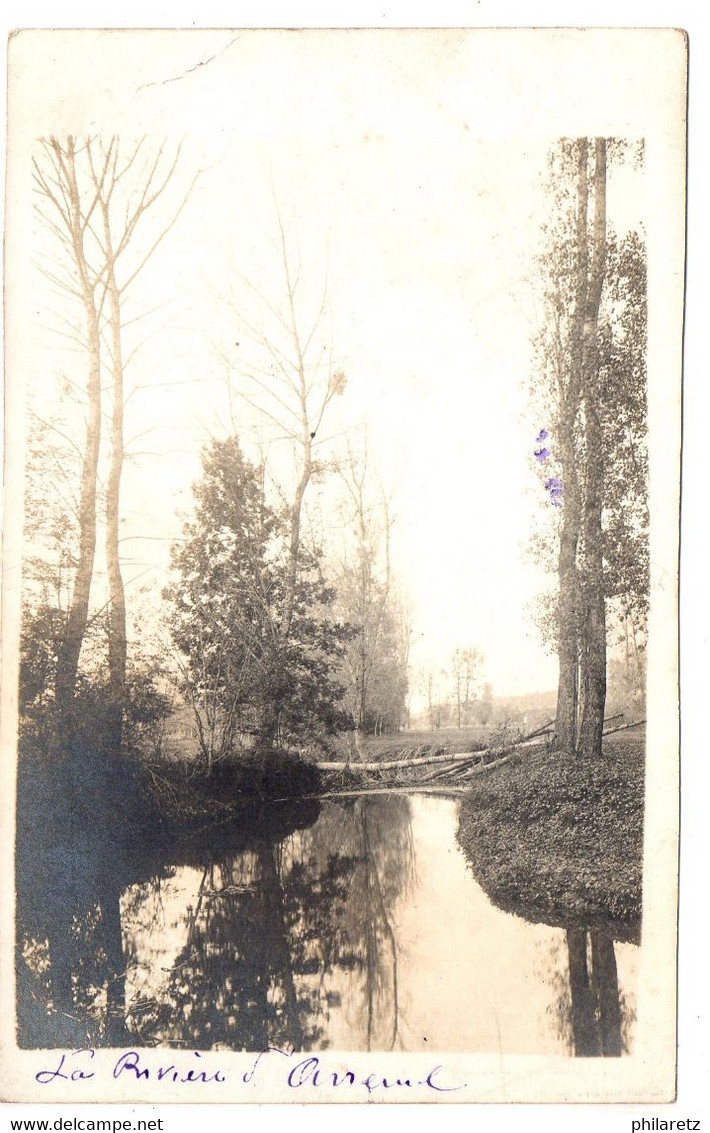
(559, 838)
(622, 381)
(590, 390)
(232, 583)
(146, 707)
(622, 376)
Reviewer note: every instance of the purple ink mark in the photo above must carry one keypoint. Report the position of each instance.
(541, 454)
(555, 488)
(542, 435)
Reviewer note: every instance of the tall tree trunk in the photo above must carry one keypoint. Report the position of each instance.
(78, 612)
(115, 707)
(593, 657)
(569, 400)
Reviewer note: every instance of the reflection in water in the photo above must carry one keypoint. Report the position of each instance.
(358, 927)
(590, 1014)
(594, 987)
(71, 969)
(275, 931)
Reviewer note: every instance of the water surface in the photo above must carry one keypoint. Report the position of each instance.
(363, 930)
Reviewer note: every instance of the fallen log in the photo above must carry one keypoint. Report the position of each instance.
(358, 792)
(439, 755)
(394, 764)
(623, 727)
(538, 731)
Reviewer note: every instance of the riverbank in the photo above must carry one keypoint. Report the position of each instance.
(559, 840)
(131, 809)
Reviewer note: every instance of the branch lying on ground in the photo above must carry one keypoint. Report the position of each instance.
(438, 755)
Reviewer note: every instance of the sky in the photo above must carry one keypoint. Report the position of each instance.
(400, 180)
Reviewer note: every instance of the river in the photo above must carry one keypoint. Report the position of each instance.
(361, 928)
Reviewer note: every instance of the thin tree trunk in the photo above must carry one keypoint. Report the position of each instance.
(640, 682)
(78, 612)
(115, 707)
(307, 434)
(77, 207)
(593, 671)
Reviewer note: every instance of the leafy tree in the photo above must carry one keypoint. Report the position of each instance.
(239, 674)
(622, 379)
(591, 362)
(147, 706)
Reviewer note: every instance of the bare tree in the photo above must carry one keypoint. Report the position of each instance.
(98, 226)
(465, 669)
(67, 212)
(376, 658)
(290, 383)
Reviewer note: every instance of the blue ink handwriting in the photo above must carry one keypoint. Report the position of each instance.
(310, 1072)
(44, 1077)
(129, 1063)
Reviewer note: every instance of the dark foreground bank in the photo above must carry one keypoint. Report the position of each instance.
(559, 840)
(88, 831)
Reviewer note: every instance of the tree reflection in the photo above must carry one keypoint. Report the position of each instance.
(80, 890)
(589, 1006)
(357, 954)
(281, 931)
(276, 934)
(72, 974)
(386, 867)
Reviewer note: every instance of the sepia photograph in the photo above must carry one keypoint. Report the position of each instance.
(342, 474)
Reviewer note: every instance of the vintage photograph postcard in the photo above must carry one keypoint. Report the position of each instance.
(339, 593)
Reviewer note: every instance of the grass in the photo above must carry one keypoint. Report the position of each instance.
(559, 840)
(393, 744)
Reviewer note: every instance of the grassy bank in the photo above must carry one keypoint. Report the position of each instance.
(559, 840)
